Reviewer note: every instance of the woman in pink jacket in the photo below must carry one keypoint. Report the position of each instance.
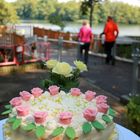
(85, 35)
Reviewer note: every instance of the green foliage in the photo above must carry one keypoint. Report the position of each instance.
(121, 12)
(45, 8)
(26, 8)
(87, 6)
(63, 75)
(133, 114)
(58, 20)
(59, 13)
(124, 51)
(7, 13)
(65, 83)
(63, 13)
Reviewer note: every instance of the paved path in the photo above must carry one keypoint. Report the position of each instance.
(117, 80)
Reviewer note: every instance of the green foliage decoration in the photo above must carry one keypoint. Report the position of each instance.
(70, 133)
(6, 112)
(40, 131)
(16, 123)
(111, 112)
(12, 119)
(97, 125)
(106, 118)
(8, 106)
(87, 127)
(57, 131)
(8, 109)
(29, 127)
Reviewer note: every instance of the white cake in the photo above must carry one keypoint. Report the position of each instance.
(55, 115)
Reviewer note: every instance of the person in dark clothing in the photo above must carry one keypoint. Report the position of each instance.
(111, 32)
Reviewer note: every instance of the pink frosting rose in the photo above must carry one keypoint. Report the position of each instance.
(16, 101)
(36, 92)
(53, 89)
(75, 91)
(22, 110)
(103, 107)
(65, 117)
(89, 95)
(25, 95)
(40, 117)
(90, 114)
(101, 99)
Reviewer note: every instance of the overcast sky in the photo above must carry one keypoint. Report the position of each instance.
(131, 2)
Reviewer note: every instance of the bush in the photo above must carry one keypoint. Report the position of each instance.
(133, 114)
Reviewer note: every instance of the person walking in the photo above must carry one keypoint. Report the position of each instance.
(111, 32)
(85, 36)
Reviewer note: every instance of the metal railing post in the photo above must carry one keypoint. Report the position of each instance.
(35, 38)
(60, 45)
(78, 51)
(45, 38)
(114, 50)
(135, 56)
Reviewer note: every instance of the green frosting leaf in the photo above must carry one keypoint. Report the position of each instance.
(12, 119)
(16, 124)
(29, 127)
(112, 112)
(57, 131)
(8, 106)
(97, 125)
(70, 133)
(86, 127)
(106, 119)
(40, 131)
(6, 112)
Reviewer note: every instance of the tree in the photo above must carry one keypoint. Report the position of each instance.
(57, 18)
(45, 8)
(26, 8)
(7, 13)
(88, 6)
(64, 12)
